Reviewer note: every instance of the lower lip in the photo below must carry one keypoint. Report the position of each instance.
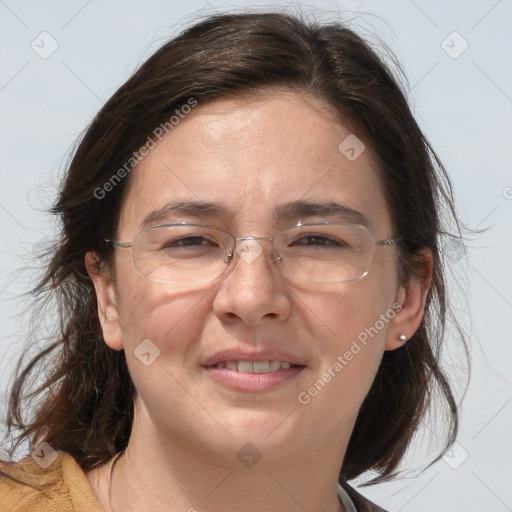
(252, 382)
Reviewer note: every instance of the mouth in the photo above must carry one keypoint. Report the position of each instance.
(253, 376)
(254, 366)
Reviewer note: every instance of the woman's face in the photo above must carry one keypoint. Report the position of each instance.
(252, 156)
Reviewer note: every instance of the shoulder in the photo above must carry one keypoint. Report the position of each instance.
(53, 483)
(362, 504)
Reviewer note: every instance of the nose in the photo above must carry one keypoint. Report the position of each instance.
(253, 290)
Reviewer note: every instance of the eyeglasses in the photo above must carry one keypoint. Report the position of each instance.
(318, 253)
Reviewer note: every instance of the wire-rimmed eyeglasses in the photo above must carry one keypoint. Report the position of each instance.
(316, 253)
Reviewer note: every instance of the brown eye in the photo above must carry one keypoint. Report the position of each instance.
(319, 240)
(189, 241)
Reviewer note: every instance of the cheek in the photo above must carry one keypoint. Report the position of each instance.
(170, 318)
(173, 325)
(345, 312)
(350, 358)
(352, 323)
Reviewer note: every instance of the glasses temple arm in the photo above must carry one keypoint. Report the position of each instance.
(119, 245)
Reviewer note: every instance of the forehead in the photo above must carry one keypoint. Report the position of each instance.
(251, 156)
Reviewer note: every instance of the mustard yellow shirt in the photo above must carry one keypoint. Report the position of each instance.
(66, 488)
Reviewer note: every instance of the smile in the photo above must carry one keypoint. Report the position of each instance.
(252, 376)
(254, 366)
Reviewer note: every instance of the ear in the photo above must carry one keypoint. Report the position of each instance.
(412, 298)
(108, 311)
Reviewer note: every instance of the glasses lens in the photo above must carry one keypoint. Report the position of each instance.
(181, 253)
(325, 253)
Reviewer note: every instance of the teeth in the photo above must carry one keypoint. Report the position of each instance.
(274, 365)
(261, 366)
(246, 366)
(232, 365)
(254, 367)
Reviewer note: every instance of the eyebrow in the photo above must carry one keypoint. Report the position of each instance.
(332, 210)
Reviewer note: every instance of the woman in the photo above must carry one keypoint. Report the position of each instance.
(249, 279)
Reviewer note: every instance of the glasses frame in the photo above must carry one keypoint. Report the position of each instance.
(387, 242)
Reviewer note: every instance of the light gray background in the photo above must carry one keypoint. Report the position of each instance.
(464, 105)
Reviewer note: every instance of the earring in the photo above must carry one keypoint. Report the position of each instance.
(402, 337)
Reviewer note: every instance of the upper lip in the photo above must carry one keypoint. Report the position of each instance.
(250, 355)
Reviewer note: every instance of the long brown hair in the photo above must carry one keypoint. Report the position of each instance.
(85, 404)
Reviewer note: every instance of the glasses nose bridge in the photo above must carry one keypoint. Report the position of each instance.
(270, 239)
(274, 254)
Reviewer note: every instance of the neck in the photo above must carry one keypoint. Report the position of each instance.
(170, 475)
(219, 489)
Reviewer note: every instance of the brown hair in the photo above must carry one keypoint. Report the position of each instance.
(85, 404)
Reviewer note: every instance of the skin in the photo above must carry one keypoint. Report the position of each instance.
(250, 154)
